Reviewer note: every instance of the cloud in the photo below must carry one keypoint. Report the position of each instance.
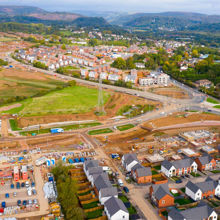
(203, 6)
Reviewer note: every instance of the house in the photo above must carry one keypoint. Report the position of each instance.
(140, 65)
(107, 193)
(93, 170)
(204, 83)
(103, 75)
(131, 78)
(202, 211)
(141, 174)
(198, 191)
(129, 160)
(206, 162)
(115, 209)
(178, 167)
(16, 173)
(161, 196)
(88, 164)
(24, 172)
(101, 181)
(113, 77)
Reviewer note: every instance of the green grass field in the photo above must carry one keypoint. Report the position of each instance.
(76, 99)
(100, 131)
(125, 127)
(66, 128)
(217, 106)
(213, 101)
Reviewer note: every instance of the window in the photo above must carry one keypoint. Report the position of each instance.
(123, 216)
(163, 201)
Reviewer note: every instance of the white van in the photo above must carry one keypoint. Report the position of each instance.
(120, 182)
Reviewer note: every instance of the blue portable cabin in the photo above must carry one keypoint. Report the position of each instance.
(82, 159)
(70, 161)
(76, 160)
(3, 204)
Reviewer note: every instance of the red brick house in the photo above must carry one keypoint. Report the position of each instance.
(141, 174)
(161, 196)
(206, 162)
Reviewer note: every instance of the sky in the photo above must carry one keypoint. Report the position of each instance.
(201, 6)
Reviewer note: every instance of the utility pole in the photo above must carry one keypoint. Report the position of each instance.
(100, 107)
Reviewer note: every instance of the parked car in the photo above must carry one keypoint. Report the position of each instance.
(29, 192)
(27, 184)
(18, 186)
(22, 185)
(30, 202)
(34, 191)
(6, 195)
(179, 181)
(24, 202)
(35, 201)
(120, 182)
(126, 189)
(14, 194)
(32, 184)
(12, 186)
(4, 204)
(19, 202)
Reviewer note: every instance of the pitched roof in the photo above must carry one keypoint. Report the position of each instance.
(178, 164)
(143, 171)
(109, 191)
(136, 166)
(205, 186)
(206, 159)
(167, 164)
(95, 170)
(113, 205)
(160, 190)
(128, 158)
(91, 163)
(102, 182)
(202, 211)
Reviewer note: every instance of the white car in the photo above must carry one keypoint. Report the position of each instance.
(29, 192)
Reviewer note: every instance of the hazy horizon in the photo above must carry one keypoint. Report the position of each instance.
(212, 7)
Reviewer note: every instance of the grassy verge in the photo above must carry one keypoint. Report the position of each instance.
(90, 205)
(66, 128)
(94, 214)
(215, 171)
(195, 174)
(213, 101)
(183, 201)
(123, 198)
(217, 106)
(125, 127)
(157, 167)
(100, 131)
(14, 125)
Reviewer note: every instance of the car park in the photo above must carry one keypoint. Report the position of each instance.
(30, 202)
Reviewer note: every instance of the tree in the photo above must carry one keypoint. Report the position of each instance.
(63, 47)
(195, 53)
(72, 83)
(130, 63)
(119, 63)
(93, 42)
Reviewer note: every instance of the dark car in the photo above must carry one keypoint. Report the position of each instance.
(12, 186)
(19, 202)
(33, 184)
(126, 189)
(18, 186)
(6, 195)
(22, 185)
(24, 202)
(187, 175)
(179, 181)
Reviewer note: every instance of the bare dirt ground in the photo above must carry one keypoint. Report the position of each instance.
(115, 102)
(4, 128)
(6, 108)
(123, 143)
(178, 118)
(171, 91)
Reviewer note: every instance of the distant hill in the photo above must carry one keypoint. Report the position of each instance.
(165, 20)
(38, 13)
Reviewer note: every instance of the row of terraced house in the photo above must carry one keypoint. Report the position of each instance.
(107, 194)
